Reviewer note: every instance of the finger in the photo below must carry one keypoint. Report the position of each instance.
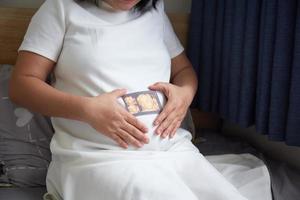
(166, 123)
(169, 128)
(128, 138)
(136, 133)
(160, 86)
(118, 92)
(119, 140)
(175, 129)
(135, 122)
(164, 113)
(130, 118)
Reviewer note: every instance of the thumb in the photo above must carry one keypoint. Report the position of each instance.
(118, 92)
(159, 86)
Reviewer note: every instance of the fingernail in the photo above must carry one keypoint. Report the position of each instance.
(158, 131)
(155, 123)
(140, 145)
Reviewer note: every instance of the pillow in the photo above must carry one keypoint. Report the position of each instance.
(24, 141)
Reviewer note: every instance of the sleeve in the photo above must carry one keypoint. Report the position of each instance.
(46, 30)
(170, 38)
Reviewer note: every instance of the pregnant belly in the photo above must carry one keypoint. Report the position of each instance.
(73, 134)
(156, 142)
(76, 135)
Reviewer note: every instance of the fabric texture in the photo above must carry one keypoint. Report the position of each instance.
(179, 173)
(284, 179)
(128, 54)
(246, 54)
(24, 141)
(95, 57)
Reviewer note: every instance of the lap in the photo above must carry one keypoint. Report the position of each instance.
(114, 174)
(181, 173)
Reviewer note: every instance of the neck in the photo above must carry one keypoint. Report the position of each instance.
(107, 6)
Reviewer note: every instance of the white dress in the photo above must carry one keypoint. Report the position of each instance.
(97, 50)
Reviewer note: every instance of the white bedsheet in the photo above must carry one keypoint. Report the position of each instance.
(246, 172)
(179, 174)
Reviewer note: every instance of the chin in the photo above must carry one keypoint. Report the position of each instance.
(125, 7)
(127, 4)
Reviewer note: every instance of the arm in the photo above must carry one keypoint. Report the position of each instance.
(183, 75)
(179, 92)
(40, 49)
(27, 88)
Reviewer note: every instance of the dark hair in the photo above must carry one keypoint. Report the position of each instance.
(140, 6)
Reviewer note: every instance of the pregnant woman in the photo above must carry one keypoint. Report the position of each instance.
(106, 146)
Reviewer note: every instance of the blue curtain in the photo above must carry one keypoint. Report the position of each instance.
(247, 57)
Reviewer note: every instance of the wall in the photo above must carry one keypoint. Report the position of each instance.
(178, 5)
(171, 5)
(21, 3)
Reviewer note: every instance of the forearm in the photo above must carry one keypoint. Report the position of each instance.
(187, 79)
(37, 96)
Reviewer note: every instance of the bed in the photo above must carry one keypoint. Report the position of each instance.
(13, 23)
(285, 179)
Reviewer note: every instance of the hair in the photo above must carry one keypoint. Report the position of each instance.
(141, 6)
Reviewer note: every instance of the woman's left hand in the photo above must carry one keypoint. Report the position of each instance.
(169, 120)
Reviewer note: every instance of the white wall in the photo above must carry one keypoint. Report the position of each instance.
(171, 5)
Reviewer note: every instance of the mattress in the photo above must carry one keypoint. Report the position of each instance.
(22, 193)
(285, 180)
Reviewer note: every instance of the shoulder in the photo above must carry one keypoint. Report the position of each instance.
(53, 12)
(158, 9)
(58, 5)
(161, 4)
(55, 9)
(60, 2)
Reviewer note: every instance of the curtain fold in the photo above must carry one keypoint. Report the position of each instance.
(246, 54)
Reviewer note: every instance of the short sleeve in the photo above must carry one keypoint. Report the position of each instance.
(46, 30)
(170, 38)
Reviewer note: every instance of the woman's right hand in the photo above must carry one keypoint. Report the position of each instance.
(107, 116)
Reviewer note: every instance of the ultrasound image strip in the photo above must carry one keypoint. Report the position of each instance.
(142, 103)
